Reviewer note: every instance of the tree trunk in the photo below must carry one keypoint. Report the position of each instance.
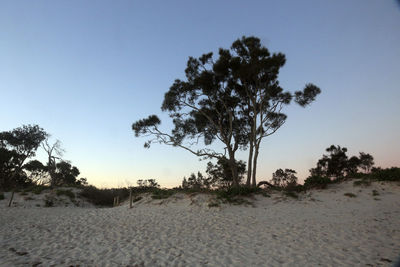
(232, 163)
(253, 180)
(249, 164)
(11, 198)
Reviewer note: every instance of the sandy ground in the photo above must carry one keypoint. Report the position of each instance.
(323, 228)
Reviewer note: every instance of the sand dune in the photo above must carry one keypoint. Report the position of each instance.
(322, 228)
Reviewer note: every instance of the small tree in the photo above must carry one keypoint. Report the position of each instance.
(332, 165)
(15, 147)
(54, 153)
(366, 162)
(284, 178)
(65, 174)
(37, 172)
(220, 174)
(352, 165)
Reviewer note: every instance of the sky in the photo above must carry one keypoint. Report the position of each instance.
(86, 70)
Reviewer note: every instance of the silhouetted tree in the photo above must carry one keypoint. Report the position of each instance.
(284, 178)
(65, 174)
(352, 165)
(82, 181)
(197, 182)
(332, 165)
(220, 174)
(336, 164)
(15, 147)
(149, 183)
(366, 161)
(255, 71)
(54, 153)
(235, 99)
(37, 172)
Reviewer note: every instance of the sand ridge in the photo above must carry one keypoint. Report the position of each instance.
(323, 228)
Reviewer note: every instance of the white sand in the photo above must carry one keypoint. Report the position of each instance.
(325, 228)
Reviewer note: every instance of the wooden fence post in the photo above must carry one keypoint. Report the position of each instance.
(130, 198)
(11, 199)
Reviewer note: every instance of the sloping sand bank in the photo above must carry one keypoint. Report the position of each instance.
(323, 228)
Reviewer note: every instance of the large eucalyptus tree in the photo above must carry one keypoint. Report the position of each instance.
(235, 99)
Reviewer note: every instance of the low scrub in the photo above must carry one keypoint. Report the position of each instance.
(234, 195)
(36, 189)
(1, 196)
(375, 193)
(162, 193)
(104, 197)
(363, 182)
(350, 195)
(316, 182)
(291, 194)
(389, 174)
(68, 193)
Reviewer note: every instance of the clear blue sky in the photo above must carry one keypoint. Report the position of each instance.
(86, 70)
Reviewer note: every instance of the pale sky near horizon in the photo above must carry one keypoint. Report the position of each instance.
(86, 70)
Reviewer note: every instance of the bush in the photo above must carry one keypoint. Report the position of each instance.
(389, 174)
(67, 193)
(162, 193)
(295, 188)
(104, 197)
(291, 194)
(49, 202)
(350, 195)
(234, 194)
(316, 182)
(365, 182)
(375, 193)
(36, 189)
(1, 196)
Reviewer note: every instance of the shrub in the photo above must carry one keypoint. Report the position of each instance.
(365, 182)
(37, 189)
(104, 197)
(291, 194)
(375, 193)
(213, 204)
(295, 188)
(162, 193)
(1, 196)
(389, 174)
(49, 202)
(67, 193)
(316, 182)
(350, 195)
(234, 194)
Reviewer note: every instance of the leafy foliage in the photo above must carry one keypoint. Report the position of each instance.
(350, 195)
(162, 193)
(336, 165)
(65, 174)
(316, 182)
(284, 178)
(234, 99)
(389, 174)
(104, 197)
(149, 183)
(68, 193)
(15, 147)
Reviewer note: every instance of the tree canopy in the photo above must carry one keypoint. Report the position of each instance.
(234, 99)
